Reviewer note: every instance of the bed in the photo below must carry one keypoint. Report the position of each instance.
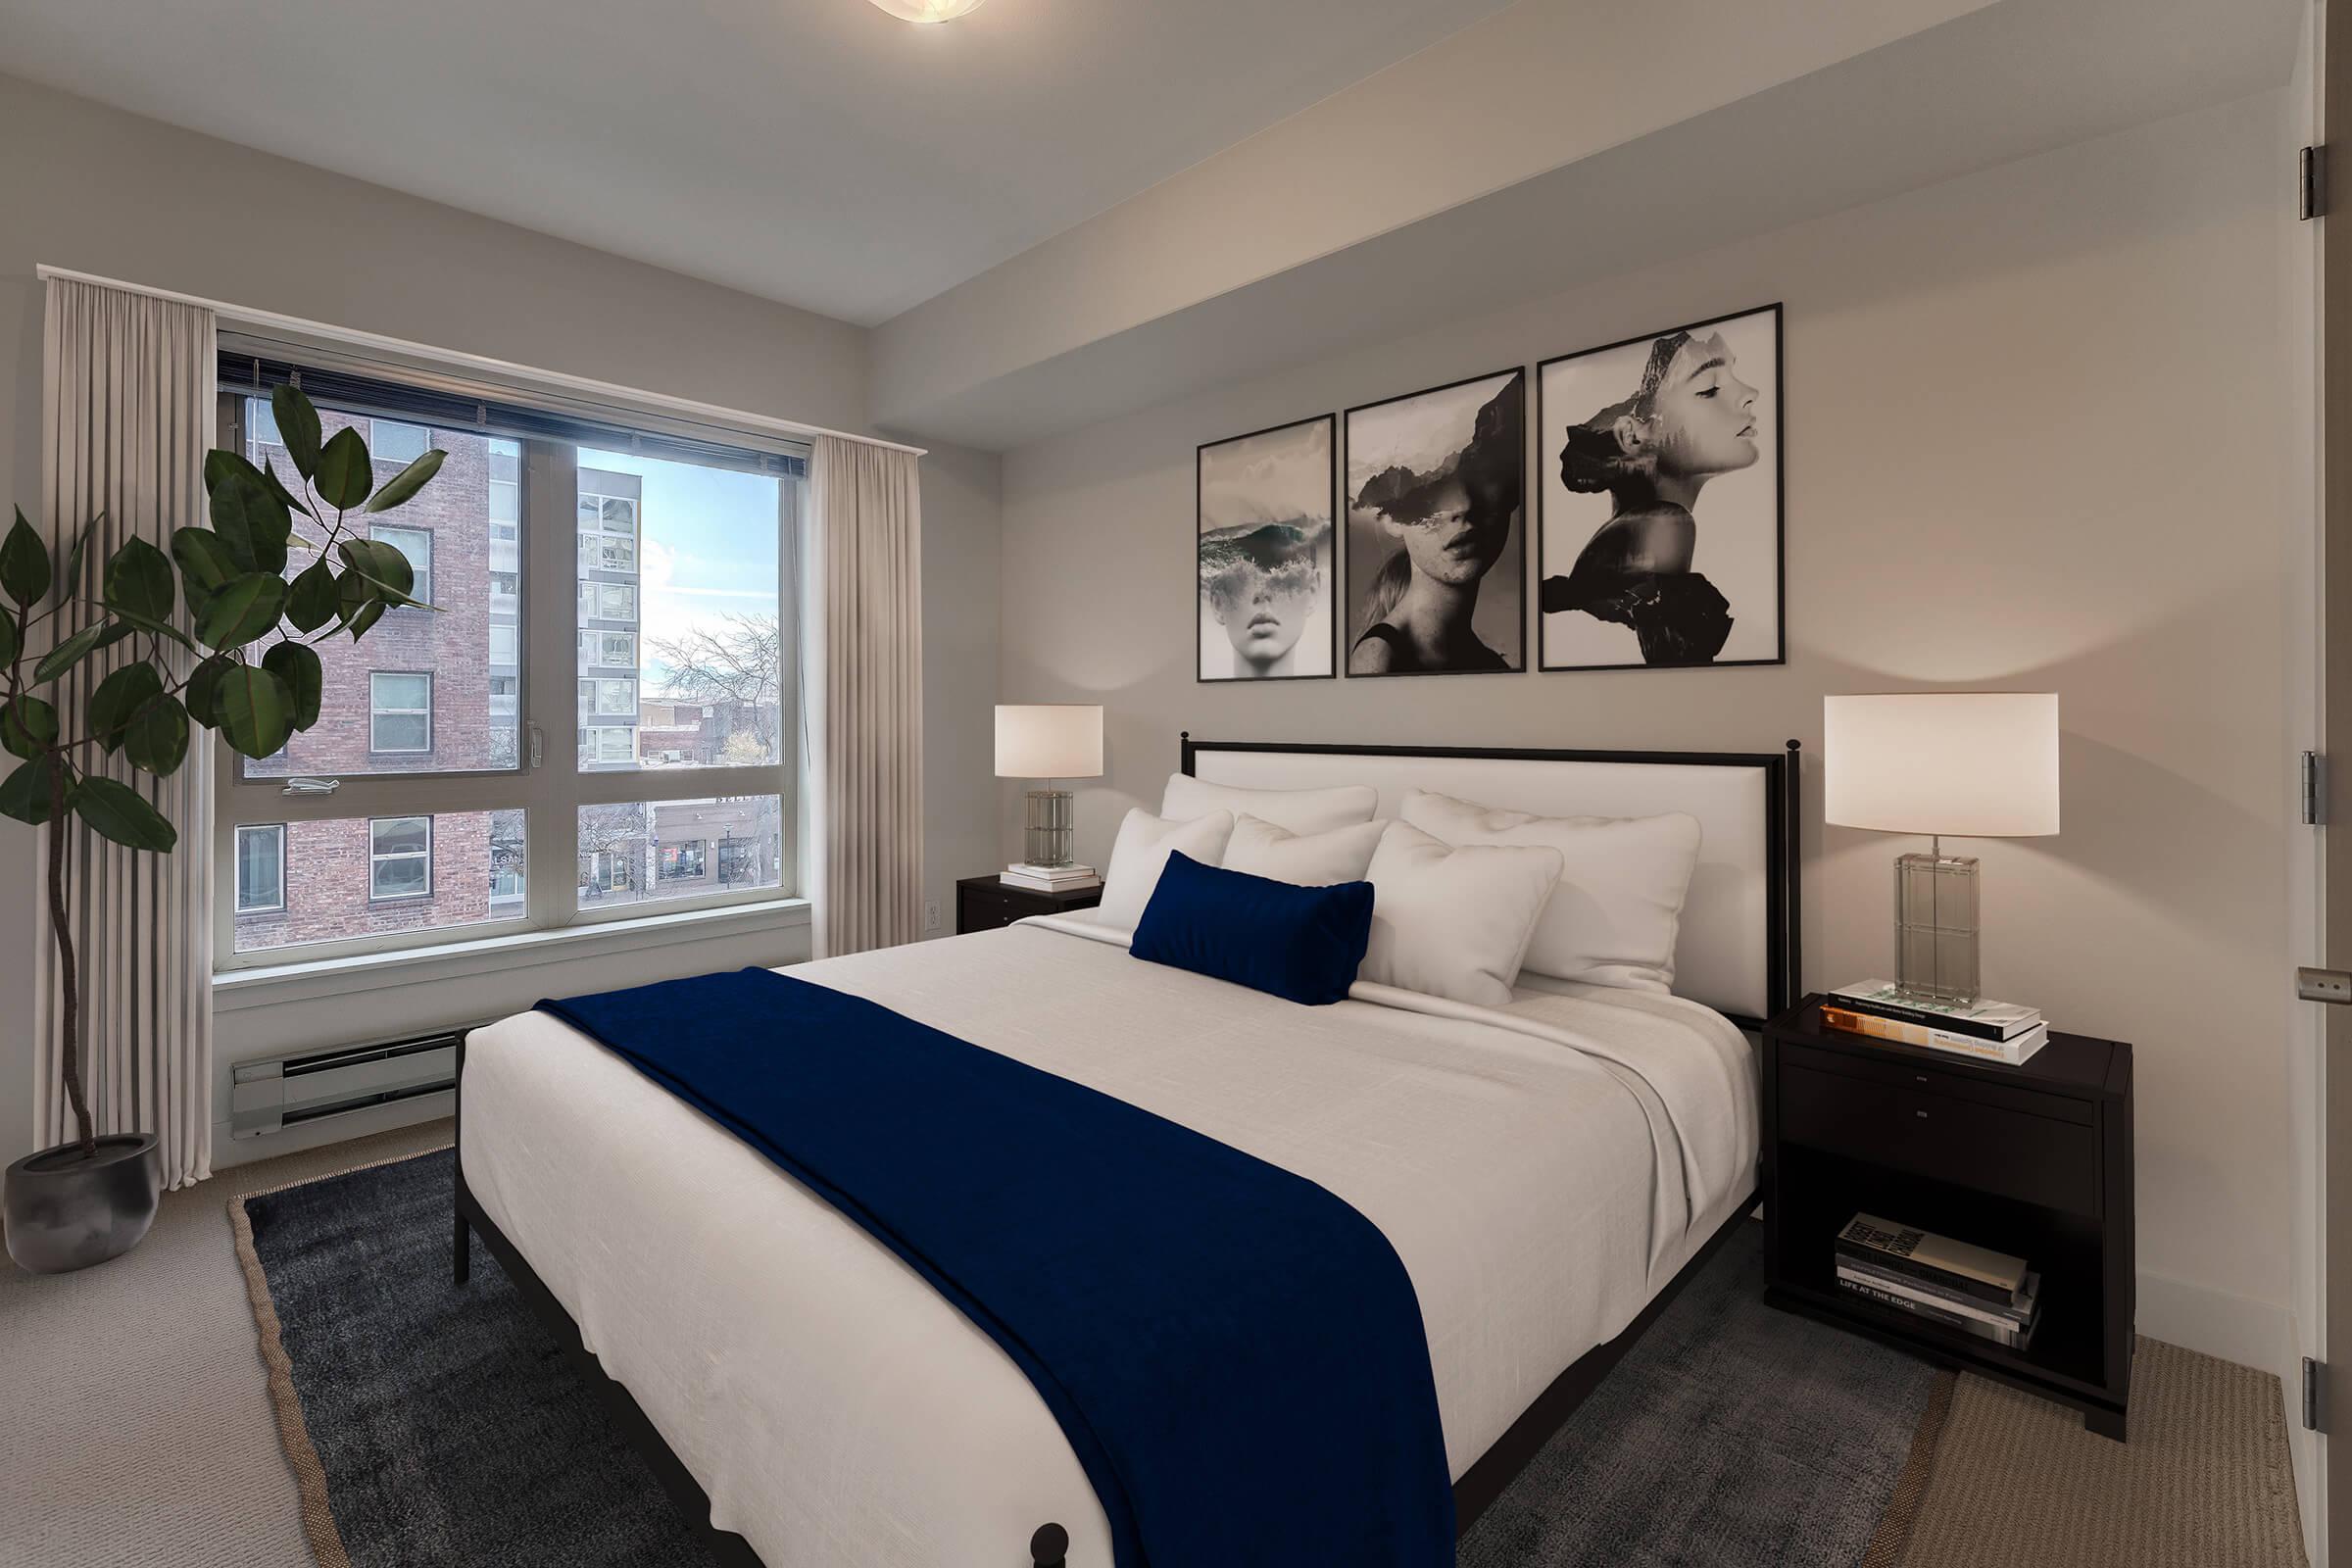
(1547, 1171)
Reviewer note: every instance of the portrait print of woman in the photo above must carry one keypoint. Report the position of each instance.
(1437, 484)
(1264, 508)
(1662, 485)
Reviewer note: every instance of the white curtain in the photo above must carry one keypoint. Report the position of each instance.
(127, 419)
(866, 586)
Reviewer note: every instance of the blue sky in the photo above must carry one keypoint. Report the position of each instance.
(708, 547)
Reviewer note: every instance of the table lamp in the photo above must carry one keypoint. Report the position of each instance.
(1957, 764)
(1049, 741)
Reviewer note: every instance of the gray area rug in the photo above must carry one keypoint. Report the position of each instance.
(428, 1425)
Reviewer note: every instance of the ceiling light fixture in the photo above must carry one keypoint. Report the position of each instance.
(929, 11)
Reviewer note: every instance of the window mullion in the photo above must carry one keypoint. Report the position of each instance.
(551, 663)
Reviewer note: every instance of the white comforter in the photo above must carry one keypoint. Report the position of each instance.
(1541, 1169)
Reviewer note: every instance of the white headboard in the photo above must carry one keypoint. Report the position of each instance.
(1738, 948)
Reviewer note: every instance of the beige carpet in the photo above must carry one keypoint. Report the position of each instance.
(135, 1429)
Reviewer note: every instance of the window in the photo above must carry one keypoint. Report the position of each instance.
(422, 723)
(608, 743)
(394, 442)
(261, 424)
(400, 712)
(400, 858)
(418, 545)
(262, 868)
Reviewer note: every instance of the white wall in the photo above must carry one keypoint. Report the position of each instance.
(101, 191)
(2037, 437)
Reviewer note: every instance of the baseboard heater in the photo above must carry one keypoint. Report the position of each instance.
(268, 1097)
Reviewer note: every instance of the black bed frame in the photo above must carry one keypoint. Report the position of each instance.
(1495, 1469)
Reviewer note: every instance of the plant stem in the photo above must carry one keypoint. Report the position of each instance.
(67, 966)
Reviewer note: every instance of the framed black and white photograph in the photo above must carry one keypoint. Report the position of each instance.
(1437, 553)
(1660, 468)
(1264, 504)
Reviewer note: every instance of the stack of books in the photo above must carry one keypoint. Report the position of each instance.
(1990, 1031)
(1979, 1292)
(1051, 878)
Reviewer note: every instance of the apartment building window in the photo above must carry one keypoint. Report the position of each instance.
(260, 861)
(400, 858)
(440, 796)
(418, 545)
(396, 441)
(400, 712)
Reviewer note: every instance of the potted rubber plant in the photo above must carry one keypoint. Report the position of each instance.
(244, 669)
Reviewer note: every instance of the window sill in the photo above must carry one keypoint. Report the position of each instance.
(234, 990)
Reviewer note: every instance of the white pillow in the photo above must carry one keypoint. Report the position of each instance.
(1454, 922)
(1299, 810)
(1309, 859)
(1614, 917)
(1142, 853)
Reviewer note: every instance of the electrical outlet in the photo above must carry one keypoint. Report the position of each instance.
(931, 915)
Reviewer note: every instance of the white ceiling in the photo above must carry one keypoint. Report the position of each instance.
(815, 152)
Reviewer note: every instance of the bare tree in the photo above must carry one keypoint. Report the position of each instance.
(737, 660)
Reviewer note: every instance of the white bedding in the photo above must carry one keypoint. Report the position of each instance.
(1541, 1170)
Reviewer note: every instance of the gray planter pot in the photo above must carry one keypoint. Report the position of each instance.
(66, 1211)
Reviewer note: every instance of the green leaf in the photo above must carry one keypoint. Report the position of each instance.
(114, 810)
(119, 699)
(298, 667)
(24, 795)
(311, 596)
(76, 648)
(204, 559)
(345, 472)
(11, 639)
(139, 581)
(255, 710)
(27, 725)
(297, 426)
(382, 565)
(277, 488)
(202, 693)
(408, 481)
(243, 609)
(71, 583)
(157, 739)
(250, 520)
(23, 562)
(222, 467)
(369, 614)
(135, 623)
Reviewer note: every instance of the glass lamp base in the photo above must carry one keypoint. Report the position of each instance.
(1047, 842)
(1935, 927)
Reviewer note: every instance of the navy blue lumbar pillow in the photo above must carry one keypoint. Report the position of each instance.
(1302, 943)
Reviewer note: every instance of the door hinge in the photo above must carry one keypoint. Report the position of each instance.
(2313, 177)
(2315, 1395)
(2314, 789)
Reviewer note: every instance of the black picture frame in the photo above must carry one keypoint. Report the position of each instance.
(1546, 458)
(1333, 609)
(1518, 665)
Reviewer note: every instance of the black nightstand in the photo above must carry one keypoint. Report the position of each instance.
(2033, 1161)
(983, 903)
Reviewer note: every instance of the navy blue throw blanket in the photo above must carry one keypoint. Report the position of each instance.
(1235, 1355)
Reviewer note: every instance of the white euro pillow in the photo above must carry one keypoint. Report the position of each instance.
(1454, 922)
(1618, 908)
(1140, 852)
(1299, 810)
(1309, 859)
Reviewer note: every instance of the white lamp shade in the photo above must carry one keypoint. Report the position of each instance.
(1052, 740)
(929, 11)
(1970, 765)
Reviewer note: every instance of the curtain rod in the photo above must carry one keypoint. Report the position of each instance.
(245, 317)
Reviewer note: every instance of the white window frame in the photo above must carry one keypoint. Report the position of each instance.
(516, 632)
(376, 439)
(376, 858)
(422, 587)
(238, 867)
(377, 710)
(551, 793)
